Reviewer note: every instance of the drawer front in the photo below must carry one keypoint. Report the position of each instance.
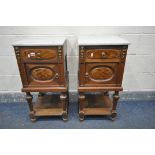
(93, 54)
(102, 53)
(39, 54)
(101, 74)
(44, 75)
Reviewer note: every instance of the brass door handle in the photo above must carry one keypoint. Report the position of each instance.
(57, 76)
(86, 75)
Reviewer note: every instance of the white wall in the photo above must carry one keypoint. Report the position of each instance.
(140, 66)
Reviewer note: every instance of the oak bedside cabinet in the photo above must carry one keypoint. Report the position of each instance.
(101, 67)
(43, 69)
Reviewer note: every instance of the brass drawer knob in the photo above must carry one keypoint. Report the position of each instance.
(92, 55)
(32, 54)
(103, 55)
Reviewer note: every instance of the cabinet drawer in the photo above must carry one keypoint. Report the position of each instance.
(39, 54)
(44, 75)
(93, 54)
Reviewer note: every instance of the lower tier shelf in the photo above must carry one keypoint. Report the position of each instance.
(48, 105)
(97, 104)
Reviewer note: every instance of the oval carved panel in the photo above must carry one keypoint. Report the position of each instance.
(102, 73)
(42, 74)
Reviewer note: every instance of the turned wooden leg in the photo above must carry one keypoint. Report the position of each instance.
(81, 106)
(115, 101)
(63, 99)
(29, 98)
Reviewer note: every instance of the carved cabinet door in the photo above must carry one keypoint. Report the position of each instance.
(44, 75)
(101, 74)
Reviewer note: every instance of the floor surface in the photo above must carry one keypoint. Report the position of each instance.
(131, 115)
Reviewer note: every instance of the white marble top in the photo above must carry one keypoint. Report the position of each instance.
(102, 40)
(50, 41)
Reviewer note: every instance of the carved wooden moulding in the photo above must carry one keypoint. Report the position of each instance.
(42, 74)
(101, 73)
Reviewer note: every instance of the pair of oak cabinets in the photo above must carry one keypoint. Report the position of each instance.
(43, 68)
